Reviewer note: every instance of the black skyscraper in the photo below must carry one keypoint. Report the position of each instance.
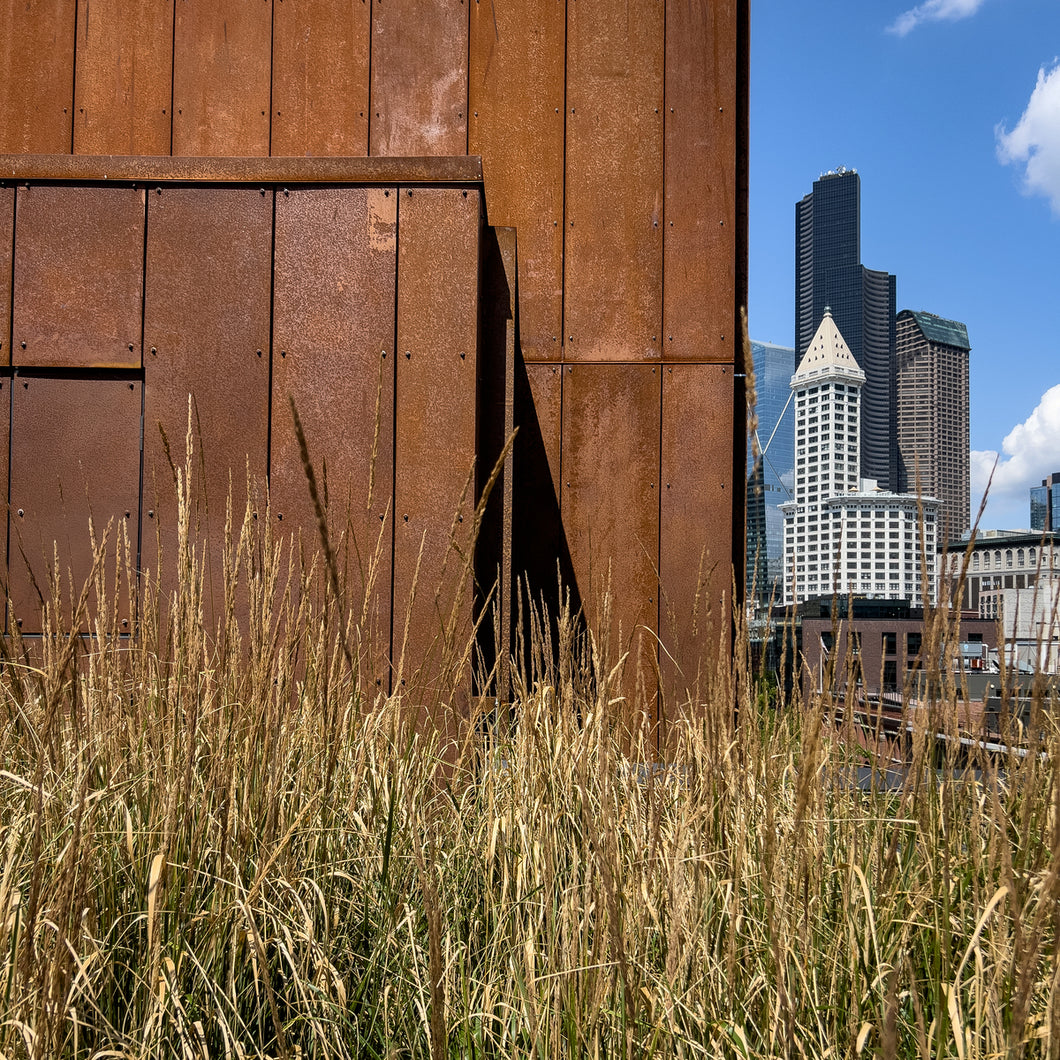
(828, 272)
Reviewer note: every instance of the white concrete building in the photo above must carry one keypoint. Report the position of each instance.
(841, 533)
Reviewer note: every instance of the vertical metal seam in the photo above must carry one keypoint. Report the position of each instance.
(173, 81)
(467, 88)
(143, 402)
(368, 127)
(662, 409)
(394, 438)
(272, 334)
(73, 76)
(11, 404)
(563, 207)
(272, 75)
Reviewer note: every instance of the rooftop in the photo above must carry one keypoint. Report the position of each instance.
(939, 329)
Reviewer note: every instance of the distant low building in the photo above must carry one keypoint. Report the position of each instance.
(997, 560)
(878, 645)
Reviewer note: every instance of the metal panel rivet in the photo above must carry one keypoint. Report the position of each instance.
(381, 518)
(132, 386)
(653, 338)
(386, 194)
(283, 353)
(130, 347)
(158, 191)
(279, 515)
(22, 344)
(408, 355)
(670, 338)
(154, 351)
(462, 356)
(459, 518)
(18, 622)
(409, 193)
(125, 623)
(406, 518)
(126, 515)
(383, 354)
(21, 513)
(259, 353)
(150, 513)
(255, 515)
(262, 192)
(286, 193)
(465, 194)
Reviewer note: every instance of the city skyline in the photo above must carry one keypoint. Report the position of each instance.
(954, 125)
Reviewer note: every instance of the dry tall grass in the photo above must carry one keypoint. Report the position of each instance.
(213, 843)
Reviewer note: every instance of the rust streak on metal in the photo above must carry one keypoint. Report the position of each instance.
(458, 169)
(419, 78)
(333, 354)
(78, 276)
(221, 77)
(124, 79)
(320, 58)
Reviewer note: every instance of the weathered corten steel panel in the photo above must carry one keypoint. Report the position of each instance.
(124, 77)
(696, 546)
(700, 298)
(78, 276)
(435, 431)
(75, 455)
(333, 353)
(419, 78)
(386, 171)
(5, 467)
(222, 59)
(36, 75)
(7, 233)
(610, 504)
(206, 331)
(516, 125)
(614, 204)
(320, 61)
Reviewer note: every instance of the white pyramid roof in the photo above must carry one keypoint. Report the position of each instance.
(827, 355)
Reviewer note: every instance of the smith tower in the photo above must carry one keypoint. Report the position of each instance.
(828, 272)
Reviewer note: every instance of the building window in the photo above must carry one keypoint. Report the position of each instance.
(890, 643)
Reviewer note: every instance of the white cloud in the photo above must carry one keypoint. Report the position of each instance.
(1029, 452)
(1036, 139)
(934, 11)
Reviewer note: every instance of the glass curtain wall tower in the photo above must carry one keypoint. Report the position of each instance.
(770, 471)
(828, 272)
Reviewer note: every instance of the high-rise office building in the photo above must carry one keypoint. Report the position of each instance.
(1045, 504)
(931, 405)
(770, 470)
(844, 534)
(828, 272)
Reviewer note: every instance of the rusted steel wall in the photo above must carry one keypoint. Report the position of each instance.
(613, 139)
(247, 297)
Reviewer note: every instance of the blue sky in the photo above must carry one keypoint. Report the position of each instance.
(950, 111)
